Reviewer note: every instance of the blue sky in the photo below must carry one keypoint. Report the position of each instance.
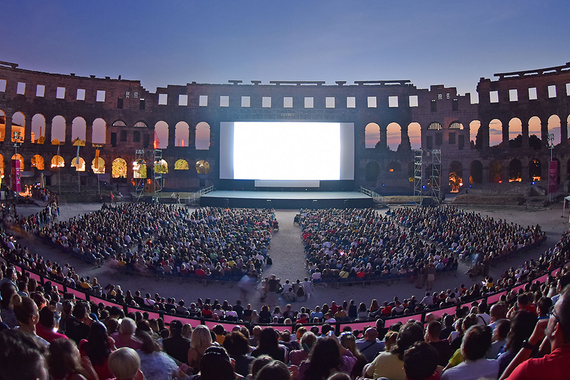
(212, 41)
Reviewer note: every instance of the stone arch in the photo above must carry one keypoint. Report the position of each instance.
(371, 135)
(161, 131)
(99, 135)
(495, 132)
(393, 136)
(1, 166)
(181, 165)
(57, 162)
(18, 126)
(119, 168)
(455, 176)
(515, 171)
(79, 165)
(371, 171)
(38, 162)
(476, 170)
(496, 171)
(434, 126)
(415, 135)
(456, 125)
(18, 157)
(202, 167)
(2, 125)
(202, 141)
(515, 132)
(98, 165)
(58, 129)
(181, 134)
(535, 169)
(474, 126)
(534, 127)
(78, 129)
(38, 129)
(554, 129)
(161, 166)
(119, 123)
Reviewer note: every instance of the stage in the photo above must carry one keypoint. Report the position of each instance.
(287, 199)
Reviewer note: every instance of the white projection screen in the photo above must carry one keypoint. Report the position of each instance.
(286, 154)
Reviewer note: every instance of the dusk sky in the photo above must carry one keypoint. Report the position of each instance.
(212, 41)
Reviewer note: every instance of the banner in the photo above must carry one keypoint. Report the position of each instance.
(16, 176)
(552, 177)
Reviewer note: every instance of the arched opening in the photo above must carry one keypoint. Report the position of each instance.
(18, 127)
(476, 170)
(415, 135)
(181, 165)
(38, 162)
(1, 166)
(515, 171)
(99, 135)
(57, 162)
(515, 133)
(202, 167)
(161, 166)
(181, 134)
(58, 130)
(79, 165)
(435, 126)
(98, 165)
(2, 125)
(455, 176)
(18, 157)
(554, 129)
(393, 136)
(496, 171)
(119, 123)
(495, 132)
(161, 135)
(473, 132)
(456, 125)
(202, 141)
(139, 169)
(371, 171)
(38, 129)
(535, 133)
(535, 170)
(119, 169)
(78, 129)
(371, 135)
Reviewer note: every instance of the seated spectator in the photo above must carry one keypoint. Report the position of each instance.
(370, 345)
(522, 325)
(475, 345)
(155, 364)
(125, 364)
(201, 341)
(442, 346)
(21, 357)
(499, 338)
(77, 327)
(216, 365)
(308, 340)
(46, 325)
(97, 347)
(125, 337)
(269, 345)
(176, 345)
(420, 362)
(275, 370)
(65, 362)
(238, 348)
(326, 359)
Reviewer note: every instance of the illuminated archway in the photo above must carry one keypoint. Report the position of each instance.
(393, 136)
(371, 135)
(58, 129)
(2, 125)
(474, 130)
(161, 135)
(161, 167)
(495, 132)
(99, 135)
(202, 167)
(554, 128)
(78, 129)
(57, 162)
(119, 168)
(139, 169)
(415, 135)
(1, 166)
(515, 133)
(455, 176)
(515, 171)
(98, 165)
(181, 165)
(79, 165)
(18, 127)
(535, 170)
(38, 162)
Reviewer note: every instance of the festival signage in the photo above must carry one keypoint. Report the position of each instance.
(552, 176)
(16, 176)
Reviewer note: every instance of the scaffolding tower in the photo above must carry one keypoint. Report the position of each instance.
(157, 174)
(418, 177)
(140, 160)
(435, 175)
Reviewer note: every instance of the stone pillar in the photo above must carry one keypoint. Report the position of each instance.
(525, 134)
(485, 135)
(505, 131)
(564, 131)
(384, 137)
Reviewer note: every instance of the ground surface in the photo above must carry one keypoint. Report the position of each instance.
(288, 260)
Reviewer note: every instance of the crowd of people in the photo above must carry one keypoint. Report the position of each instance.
(209, 243)
(45, 334)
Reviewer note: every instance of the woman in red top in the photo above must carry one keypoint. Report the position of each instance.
(98, 346)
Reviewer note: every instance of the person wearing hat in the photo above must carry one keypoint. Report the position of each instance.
(215, 365)
(176, 345)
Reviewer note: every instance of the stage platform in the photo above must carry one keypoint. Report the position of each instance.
(287, 199)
